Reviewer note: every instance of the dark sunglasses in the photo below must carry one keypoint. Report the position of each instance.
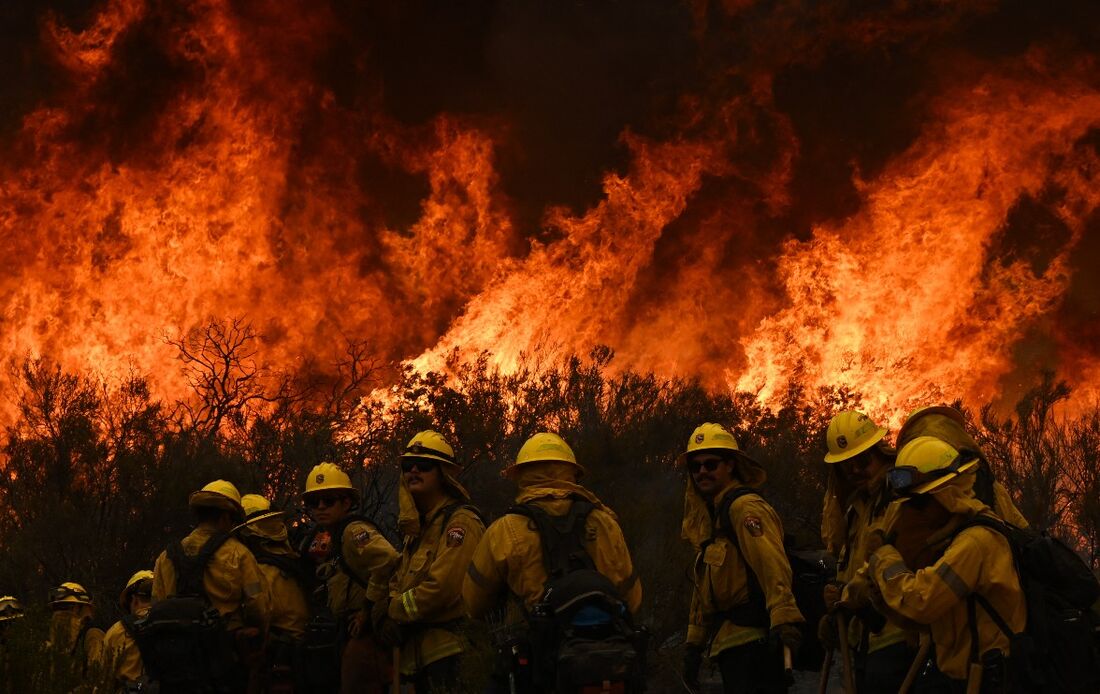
(710, 465)
(418, 464)
(325, 500)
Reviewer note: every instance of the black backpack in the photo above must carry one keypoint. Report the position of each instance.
(581, 632)
(1059, 649)
(183, 641)
(810, 571)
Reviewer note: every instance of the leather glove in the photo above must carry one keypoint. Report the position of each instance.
(787, 634)
(356, 623)
(826, 632)
(832, 593)
(388, 633)
(379, 613)
(693, 662)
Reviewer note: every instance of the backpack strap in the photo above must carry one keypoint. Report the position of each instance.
(129, 623)
(190, 570)
(562, 537)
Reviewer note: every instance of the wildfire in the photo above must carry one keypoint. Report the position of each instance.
(228, 180)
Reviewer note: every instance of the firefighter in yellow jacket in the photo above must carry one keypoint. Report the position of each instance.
(947, 424)
(265, 535)
(936, 483)
(231, 581)
(120, 650)
(509, 559)
(355, 562)
(856, 500)
(743, 610)
(441, 530)
(10, 610)
(71, 630)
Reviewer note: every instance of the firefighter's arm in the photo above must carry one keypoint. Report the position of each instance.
(760, 537)
(256, 597)
(612, 552)
(486, 574)
(163, 584)
(369, 554)
(443, 582)
(927, 594)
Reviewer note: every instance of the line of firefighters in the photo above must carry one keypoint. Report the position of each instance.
(898, 604)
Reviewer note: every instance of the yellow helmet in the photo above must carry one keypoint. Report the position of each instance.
(544, 447)
(709, 437)
(925, 464)
(327, 476)
(141, 583)
(10, 608)
(218, 494)
(430, 445)
(849, 434)
(69, 593)
(949, 412)
(256, 509)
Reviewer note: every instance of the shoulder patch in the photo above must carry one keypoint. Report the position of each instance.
(455, 535)
(754, 526)
(362, 537)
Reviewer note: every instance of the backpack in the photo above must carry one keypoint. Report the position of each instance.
(810, 571)
(1059, 649)
(183, 641)
(581, 635)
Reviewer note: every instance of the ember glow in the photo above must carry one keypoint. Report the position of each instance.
(903, 202)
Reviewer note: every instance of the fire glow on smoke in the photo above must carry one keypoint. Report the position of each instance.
(902, 198)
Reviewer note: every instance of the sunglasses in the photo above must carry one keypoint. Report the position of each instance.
(418, 464)
(710, 465)
(324, 500)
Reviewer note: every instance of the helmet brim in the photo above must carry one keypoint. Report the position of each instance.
(210, 499)
(937, 483)
(856, 450)
(261, 516)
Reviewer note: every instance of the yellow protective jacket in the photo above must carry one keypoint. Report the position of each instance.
(721, 570)
(69, 634)
(865, 514)
(233, 583)
(426, 589)
(370, 557)
(978, 560)
(510, 553)
(120, 652)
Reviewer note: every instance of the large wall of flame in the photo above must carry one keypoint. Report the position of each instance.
(896, 197)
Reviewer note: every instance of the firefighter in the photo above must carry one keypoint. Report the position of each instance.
(355, 562)
(120, 650)
(10, 610)
(743, 610)
(856, 500)
(509, 559)
(925, 569)
(949, 425)
(71, 630)
(441, 531)
(265, 534)
(231, 580)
